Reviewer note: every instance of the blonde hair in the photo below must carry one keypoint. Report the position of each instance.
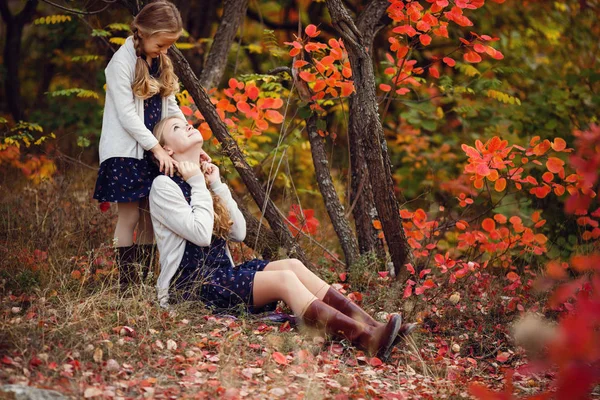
(155, 18)
(223, 222)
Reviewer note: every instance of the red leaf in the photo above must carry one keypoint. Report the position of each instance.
(449, 61)
(279, 358)
(425, 39)
(375, 362)
(343, 276)
(383, 274)
(104, 206)
(488, 225)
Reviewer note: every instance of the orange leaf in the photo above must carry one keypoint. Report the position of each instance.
(555, 271)
(300, 63)
(501, 219)
(377, 224)
(488, 225)
(186, 111)
(554, 164)
(311, 30)
(347, 89)
(279, 358)
(434, 72)
(252, 92)
(307, 76)
(500, 185)
(274, 116)
(243, 107)
(472, 57)
(425, 39)
(449, 61)
(559, 144)
(384, 87)
(512, 276)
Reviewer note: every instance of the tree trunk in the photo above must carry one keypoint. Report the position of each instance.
(361, 197)
(330, 198)
(231, 149)
(361, 193)
(234, 12)
(12, 54)
(258, 236)
(370, 131)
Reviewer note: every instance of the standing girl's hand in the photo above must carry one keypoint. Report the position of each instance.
(166, 163)
(211, 172)
(187, 169)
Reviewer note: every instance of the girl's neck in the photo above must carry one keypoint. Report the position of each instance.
(192, 155)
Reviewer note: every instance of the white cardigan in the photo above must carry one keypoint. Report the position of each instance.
(123, 131)
(175, 222)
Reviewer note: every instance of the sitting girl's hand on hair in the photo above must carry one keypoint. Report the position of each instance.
(211, 172)
(188, 169)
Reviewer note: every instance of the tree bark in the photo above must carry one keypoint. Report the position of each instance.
(234, 12)
(231, 149)
(370, 131)
(258, 236)
(12, 54)
(330, 198)
(361, 193)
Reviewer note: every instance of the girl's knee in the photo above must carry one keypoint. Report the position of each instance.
(287, 282)
(295, 265)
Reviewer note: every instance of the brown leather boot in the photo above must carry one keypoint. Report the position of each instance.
(343, 304)
(144, 256)
(373, 340)
(127, 272)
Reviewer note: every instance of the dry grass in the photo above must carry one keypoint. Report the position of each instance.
(65, 325)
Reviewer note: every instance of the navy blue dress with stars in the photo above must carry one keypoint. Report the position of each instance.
(127, 179)
(206, 274)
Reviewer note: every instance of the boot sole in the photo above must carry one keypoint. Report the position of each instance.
(386, 350)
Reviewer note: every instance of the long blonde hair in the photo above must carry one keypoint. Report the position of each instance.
(157, 17)
(223, 222)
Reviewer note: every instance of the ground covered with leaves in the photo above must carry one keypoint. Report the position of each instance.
(65, 326)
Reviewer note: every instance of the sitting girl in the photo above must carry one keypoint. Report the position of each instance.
(194, 215)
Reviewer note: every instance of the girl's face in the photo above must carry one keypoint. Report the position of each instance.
(158, 43)
(180, 136)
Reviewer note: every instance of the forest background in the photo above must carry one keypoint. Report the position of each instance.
(435, 158)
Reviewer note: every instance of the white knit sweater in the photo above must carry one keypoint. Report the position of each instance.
(175, 222)
(123, 131)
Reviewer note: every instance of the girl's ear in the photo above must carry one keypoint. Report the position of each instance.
(169, 150)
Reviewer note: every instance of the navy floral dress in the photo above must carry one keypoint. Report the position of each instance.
(206, 274)
(127, 179)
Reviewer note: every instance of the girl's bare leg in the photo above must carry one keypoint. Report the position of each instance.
(145, 232)
(270, 286)
(312, 282)
(128, 217)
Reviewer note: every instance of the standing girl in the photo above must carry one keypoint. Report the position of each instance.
(195, 215)
(140, 91)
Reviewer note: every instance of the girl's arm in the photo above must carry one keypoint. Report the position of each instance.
(238, 229)
(118, 88)
(194, 221)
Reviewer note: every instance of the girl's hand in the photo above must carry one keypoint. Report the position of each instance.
(204, 157)
(187, 169)
(211, 172)
(166, 163)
